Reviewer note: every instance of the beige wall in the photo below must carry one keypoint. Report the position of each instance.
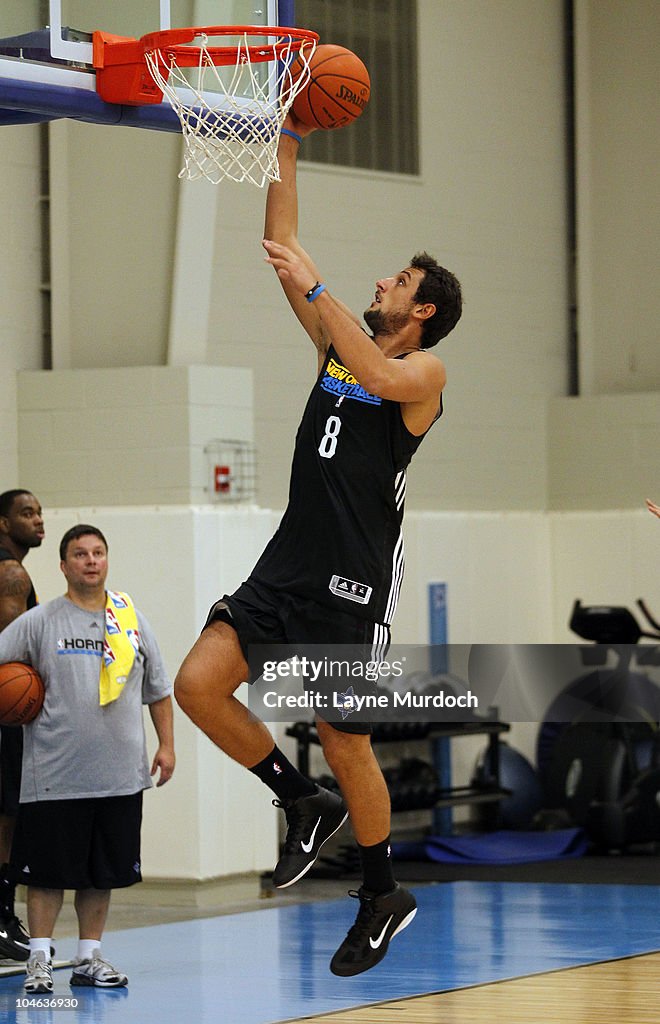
(486, 155)
(128, 255)
(20, 281)
(604, 451)
(604, 447)
(618, 201)
(113, 202)
(20, 256)
(490, 204)
(131, 436)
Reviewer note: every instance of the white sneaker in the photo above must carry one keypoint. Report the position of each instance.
(97, 972)
(39, 973)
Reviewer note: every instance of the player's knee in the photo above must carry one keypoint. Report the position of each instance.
(210, 674)
(184, 688)
(342, 749)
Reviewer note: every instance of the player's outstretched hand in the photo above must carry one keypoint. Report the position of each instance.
(295, 125)
(290, 266)
(655, 509)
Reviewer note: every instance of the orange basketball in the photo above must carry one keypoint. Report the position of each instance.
(338, 90)
(21, 693)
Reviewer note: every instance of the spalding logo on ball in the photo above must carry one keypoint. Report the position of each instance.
(338, 89)
(21, 693)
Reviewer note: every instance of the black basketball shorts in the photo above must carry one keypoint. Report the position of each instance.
(263, 616)
(92, 843)
(11, 757)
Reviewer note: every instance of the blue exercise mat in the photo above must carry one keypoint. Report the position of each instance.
(495, 847)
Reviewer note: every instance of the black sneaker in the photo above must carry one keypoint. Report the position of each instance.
(379, 919)
(14, 940)
(311, 821)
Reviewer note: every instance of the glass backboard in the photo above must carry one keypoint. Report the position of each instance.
(46, 70)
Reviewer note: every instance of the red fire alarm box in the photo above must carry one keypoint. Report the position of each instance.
(222, 479)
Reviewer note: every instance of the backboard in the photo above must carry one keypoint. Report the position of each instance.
(46, 70)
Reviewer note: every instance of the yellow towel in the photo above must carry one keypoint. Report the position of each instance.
(120, 645)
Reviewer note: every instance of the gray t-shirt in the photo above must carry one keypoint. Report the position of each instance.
(75, 748)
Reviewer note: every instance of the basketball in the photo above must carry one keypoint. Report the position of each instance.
(338, 90)
(21, 693)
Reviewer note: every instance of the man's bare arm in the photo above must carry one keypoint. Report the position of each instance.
(15, 589)
(281, 224)
(163, 721)
(418, 378)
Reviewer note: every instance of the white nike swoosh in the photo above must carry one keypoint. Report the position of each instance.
(375, 943)
(308, 846)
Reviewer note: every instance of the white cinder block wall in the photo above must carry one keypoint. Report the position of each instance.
(129, 436)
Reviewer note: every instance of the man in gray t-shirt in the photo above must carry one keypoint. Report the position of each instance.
(85, 762)
(75, 748)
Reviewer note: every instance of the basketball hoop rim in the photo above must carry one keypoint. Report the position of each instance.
(227, 132)
(172, 43)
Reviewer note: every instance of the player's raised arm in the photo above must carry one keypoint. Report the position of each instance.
(281, 225)
(411, 380)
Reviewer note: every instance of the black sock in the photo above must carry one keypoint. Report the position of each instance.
(286, 782)
(377, 871)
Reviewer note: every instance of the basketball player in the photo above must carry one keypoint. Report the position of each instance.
(342, 526)
(21, 528)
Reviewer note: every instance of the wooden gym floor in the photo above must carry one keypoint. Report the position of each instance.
(619, 990)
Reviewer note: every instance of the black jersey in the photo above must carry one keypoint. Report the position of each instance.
(6, 556)
(340, 540)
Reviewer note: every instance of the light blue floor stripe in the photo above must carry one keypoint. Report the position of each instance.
(272, 965)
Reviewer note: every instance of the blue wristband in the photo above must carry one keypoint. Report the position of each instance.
(314, 292)
(294, 135)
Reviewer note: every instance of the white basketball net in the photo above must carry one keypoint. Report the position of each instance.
(233, 133)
